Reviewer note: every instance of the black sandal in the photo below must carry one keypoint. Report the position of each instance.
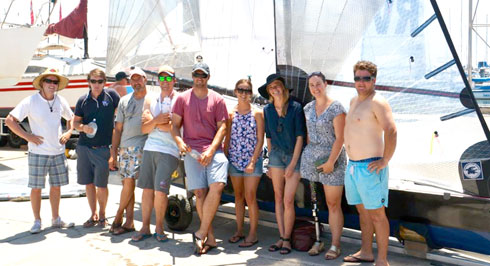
(274, 247)
(285, 250)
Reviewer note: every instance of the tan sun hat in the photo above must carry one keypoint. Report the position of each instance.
(50, 72)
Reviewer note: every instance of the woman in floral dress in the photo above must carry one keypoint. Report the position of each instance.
(324, 158)
(243, 145)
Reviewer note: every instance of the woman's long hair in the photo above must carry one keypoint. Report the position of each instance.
(285, 95)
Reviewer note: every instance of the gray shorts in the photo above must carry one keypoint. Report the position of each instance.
(93, 165)
(40, 165)
(199, 176)
(156, 171)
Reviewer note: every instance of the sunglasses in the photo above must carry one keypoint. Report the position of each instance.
(163, 78)
(366, 78)
(51, 81)
(279, 126)
(100, 81)
(245, 91)
(200, 75)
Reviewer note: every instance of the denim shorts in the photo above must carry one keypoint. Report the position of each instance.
(199, 176)
(280, 159)
(233, 171)
(365, 187)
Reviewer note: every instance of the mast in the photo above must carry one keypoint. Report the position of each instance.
(470, 29)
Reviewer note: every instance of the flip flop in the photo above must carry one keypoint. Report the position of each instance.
(140, 237)
(234, 239)
(207, 248)
(114, 226)
(246, 244)
(122, 230)
(162, 238)
(90, 223)
(198, 243)
(285, 250)
(352, 258)
(103, 222)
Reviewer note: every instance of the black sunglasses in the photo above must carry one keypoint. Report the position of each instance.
(279, 126)
(366, 78)
(199, 75)
(100, 81)
(245, 91)
(50, 81)
(163, 78)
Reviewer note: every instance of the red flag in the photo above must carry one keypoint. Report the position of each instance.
(60, 12)
(32, 15)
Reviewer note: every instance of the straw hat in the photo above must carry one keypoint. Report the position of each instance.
(50, 72)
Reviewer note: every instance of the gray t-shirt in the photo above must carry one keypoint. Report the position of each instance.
(129, 112)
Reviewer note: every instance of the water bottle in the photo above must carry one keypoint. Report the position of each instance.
(93, 125)
(166, 105)
(195, 154)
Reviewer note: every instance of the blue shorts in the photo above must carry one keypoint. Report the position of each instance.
(281, 159)
(93, 165)
(199, 176)
(233, 171)
(365, 187)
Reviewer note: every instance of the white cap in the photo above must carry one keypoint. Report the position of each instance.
(137, 71)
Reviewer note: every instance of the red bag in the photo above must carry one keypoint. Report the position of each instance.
(303, 236)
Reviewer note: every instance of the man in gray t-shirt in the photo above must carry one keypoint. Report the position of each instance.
(128, 142)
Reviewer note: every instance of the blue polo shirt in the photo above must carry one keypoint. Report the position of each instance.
(102, 109)
(283, 130)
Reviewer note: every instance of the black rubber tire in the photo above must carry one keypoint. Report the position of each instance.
(3, 140)
(179, 213)
(15, 141)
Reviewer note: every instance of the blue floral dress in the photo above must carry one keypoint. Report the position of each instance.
(243, 140)
(322, 136)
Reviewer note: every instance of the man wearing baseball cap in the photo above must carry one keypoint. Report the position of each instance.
(128, 142)
(160, 155)
(202, 113)
(46, 142)
(121, 86)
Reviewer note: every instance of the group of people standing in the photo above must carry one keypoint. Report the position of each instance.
(144, 135)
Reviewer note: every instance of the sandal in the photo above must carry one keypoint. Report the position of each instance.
(316, 249)
(236, 238)
(114, 226)
(90, 223)
(332, 253)
(122, 230)
(198, 243)
(207, 248)
(162, 238)
(140, 237)
(103, 222)
(285, 250)
(274, 247)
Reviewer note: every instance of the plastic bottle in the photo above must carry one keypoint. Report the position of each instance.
(93, 125)
(195, 154)
(166, 105)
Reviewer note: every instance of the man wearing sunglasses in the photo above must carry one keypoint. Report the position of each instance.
(46, 142)
(160, 155)
(202, 113)
(370, 141)
(94, 119)
(127, 145)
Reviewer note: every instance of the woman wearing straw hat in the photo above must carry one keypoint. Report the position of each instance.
(46, 143)
(285, 132)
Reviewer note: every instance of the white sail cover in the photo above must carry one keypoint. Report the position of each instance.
(16, 50)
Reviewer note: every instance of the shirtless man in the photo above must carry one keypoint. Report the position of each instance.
(370, 140)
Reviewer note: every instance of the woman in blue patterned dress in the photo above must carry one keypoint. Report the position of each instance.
(324, 158)
(243, 145)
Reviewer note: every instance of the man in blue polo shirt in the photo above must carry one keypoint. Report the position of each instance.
(94, 119)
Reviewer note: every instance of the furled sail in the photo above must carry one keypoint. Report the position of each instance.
(73, 25)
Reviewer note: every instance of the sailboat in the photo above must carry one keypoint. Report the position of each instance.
(439, 180)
